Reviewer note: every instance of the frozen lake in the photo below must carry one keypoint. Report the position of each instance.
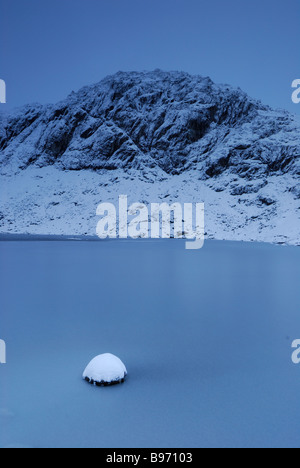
(205, 335)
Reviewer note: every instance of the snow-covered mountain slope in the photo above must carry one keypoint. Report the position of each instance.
(154, 136)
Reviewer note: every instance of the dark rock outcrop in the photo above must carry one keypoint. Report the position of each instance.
(173, 121)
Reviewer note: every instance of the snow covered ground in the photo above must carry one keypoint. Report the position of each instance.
(52, 202)
(206, 337)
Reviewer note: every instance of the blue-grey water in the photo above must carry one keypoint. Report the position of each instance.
(206, 337)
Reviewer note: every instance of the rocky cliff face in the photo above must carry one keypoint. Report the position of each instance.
(155, 127)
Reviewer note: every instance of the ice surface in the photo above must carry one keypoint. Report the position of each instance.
(105, 368)
(206, 337)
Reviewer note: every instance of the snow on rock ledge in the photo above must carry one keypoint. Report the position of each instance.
(105, 369)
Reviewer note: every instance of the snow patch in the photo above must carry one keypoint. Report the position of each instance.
(105, 369)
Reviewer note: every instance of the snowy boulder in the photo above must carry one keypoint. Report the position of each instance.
(105, 370)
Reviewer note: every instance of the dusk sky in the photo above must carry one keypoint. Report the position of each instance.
(49, 48)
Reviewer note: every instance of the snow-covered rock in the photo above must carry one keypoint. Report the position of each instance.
(105, 369)
(156, 137)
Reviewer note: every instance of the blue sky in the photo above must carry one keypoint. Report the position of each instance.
(49, 48)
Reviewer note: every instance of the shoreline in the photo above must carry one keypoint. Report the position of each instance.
(77, 238)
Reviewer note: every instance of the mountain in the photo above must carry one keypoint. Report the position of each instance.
(154, 136)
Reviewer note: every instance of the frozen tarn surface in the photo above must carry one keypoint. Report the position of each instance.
(206, 337)
(155, 137)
